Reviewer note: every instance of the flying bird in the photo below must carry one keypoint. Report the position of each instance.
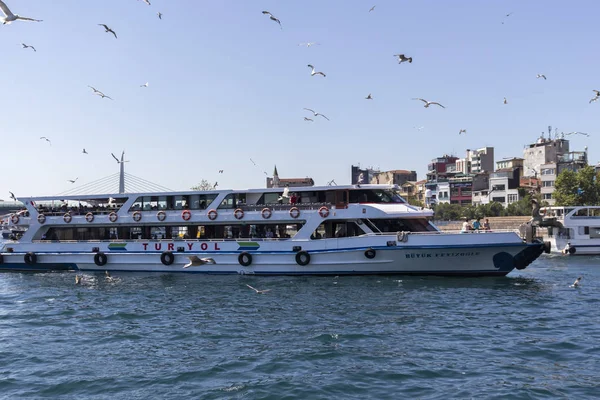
(272, 18)
(462, 131)
(220, 171)
(9, 17)
(99, 93)
(107, 29)
(84, 152)
(577, 282)
(419, 128)
(372, 8)
(309, 119)
(159, 15)
(316, 114)
(428, 103)
(196, 261)
(505, 101)
(596, 97)
(26, 46)
(258, 291)
(215, 185)
(46, 139)
(253, 161)
(402, 58)
(12, 195)
(147, 2)
(313, 72)
(369, 97)
(308, 44)
(73, 180)
(541, 76)
(577, 133)
(144, 85)
(115, 157)
(506, 16)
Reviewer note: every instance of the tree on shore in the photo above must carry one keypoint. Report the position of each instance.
(577, 188)
(203, 185)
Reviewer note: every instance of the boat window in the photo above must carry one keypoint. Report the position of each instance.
(375, 196)
(337, 229)
(162, 202)
(233, 200)
(137, 205)
(397, 225)
(594, 232)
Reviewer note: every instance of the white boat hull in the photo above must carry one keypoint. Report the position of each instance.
(491, 254)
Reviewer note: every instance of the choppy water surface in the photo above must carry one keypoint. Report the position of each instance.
(528, 335)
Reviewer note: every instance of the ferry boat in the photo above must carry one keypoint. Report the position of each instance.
(576, 230)
(329, 230)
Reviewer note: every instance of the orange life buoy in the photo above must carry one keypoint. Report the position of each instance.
(212, 214)
(41, 218)
(14, 219)
(238, 213)
(113, 217)
(137, 216)
(89, 217)
(67, 217)
(294, 212)
(266, 213)
(186, 215)
(324, 212)
(161, 215)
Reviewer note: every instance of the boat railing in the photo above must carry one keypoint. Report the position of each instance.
(454, 232)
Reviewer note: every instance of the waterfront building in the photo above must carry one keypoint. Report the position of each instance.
(476, 161)
(276, 181)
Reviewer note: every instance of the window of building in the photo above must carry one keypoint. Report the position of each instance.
(548, 171)
(513, 198)
(548, 183)
(499, 199)
(547, 196)
(499, 187)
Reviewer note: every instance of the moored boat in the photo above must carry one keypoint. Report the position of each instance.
(330, 230)
(574, 230)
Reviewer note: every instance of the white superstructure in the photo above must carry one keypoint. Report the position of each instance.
(355, 229)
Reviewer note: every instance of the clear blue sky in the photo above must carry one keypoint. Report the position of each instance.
(227, 85)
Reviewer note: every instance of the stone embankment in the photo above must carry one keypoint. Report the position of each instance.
(512, 223)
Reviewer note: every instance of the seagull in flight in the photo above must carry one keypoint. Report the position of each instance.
(309, 119)
(577, 282)
(402, 58)
(10, 17)
(26, 46)
(196, 261)
(577, 133)
(145, 85)
(253, 161)
(507, 15)
(147, 2)
(308, 44)
(220, 171)
(12, 195)
(462, 131)
(107, 29)
(428, 103)
(316, 114)
(369, 97)
(596, 97)
(372, 8)
(159, 15)
(99, 93)
(505, 101)
(73, 180)
(272, 18)
(215, 185)
(541, 76)
(313, 72)
(115, 157)
(46, 139)
(84, 152)
(258, 291)
(419, 128)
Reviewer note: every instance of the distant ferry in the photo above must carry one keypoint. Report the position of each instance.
(330, 230)
(576, 231)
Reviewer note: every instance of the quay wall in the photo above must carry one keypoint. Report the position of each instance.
(495, 223)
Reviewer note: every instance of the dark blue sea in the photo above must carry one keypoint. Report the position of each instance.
(152, 336)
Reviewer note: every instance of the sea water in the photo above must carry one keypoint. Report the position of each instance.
(180, 336)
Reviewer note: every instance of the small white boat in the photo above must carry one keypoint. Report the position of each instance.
(576, 230)
(330, 230)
